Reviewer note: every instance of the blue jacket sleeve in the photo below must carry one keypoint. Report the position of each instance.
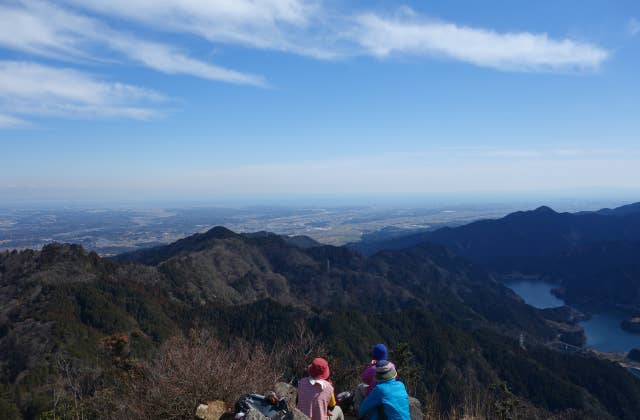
(373, 400)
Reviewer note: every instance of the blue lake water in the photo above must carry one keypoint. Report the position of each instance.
(602, 330)
(535, 293)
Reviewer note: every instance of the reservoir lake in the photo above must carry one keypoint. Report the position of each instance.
(603, 330)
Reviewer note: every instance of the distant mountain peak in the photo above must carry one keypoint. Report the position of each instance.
(545, 210)
(219, 232)
(193, 243)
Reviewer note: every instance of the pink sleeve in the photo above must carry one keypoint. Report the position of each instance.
(369, 376)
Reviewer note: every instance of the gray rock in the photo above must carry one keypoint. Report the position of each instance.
(298, 415)
(254, 414)
(201, 411)
(213, 410)
(415, 409)
(288, 392)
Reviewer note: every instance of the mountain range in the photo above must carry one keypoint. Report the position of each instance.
(461, 324)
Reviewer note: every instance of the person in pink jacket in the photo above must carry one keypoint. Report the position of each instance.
(315, 393)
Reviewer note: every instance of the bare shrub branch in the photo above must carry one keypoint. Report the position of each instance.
(195, 369)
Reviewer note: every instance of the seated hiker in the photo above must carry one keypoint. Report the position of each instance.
(379, 352)
(315, 393)
(389, 399)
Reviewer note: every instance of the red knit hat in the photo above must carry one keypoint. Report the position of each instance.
(319, 369)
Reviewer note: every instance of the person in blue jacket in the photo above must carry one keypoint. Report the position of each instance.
(389, 399)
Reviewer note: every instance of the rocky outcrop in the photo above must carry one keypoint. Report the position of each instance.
(217, 410)
(415, 409)
(288, 392)
(298, 415)
(214, 410)
(254, 414)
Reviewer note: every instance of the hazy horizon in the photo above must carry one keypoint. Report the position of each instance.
(560, 200)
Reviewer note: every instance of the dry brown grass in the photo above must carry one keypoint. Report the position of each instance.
(195, 369)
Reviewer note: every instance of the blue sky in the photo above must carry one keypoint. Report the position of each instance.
(159, 99)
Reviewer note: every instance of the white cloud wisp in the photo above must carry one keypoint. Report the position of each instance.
(7, 121)
(284, 25)
(521, 51)
(34, 89)
(42, 29)
(80, 32)
(306, 27)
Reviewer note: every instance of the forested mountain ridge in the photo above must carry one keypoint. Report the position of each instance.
(63, 306)
(542, 231)
(226, 268)
(538, 232)
(595, 255)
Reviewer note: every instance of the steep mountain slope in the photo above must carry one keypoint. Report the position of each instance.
(596, 274)
(234, 269)
(594, 254)
(63, 305)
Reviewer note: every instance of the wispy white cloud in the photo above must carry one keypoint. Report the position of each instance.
(516, 51)
(167, 59)
(84, 31)
(633, 27)
(308, 27)
(35, 89)
(294, 26)
(7, 121)
(29, 30)
(44, 29)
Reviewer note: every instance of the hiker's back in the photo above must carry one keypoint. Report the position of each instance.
(395, 400)
(314, 397)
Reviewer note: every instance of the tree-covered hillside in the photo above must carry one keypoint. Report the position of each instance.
(67, 313)
(595, 255)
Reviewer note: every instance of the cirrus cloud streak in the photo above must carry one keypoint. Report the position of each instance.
(518, 51)
(81, 32)
(43, 29)
(35, 89)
